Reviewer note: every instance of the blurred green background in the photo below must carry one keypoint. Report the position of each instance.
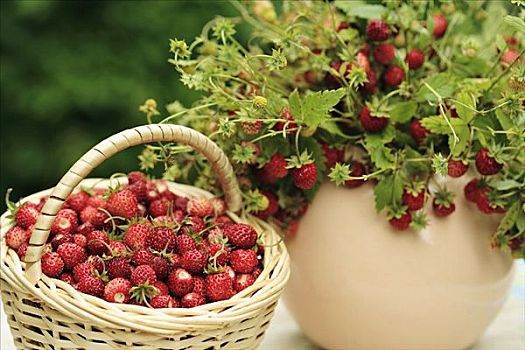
(73, 73)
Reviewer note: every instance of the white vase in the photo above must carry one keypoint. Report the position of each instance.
(358, 284)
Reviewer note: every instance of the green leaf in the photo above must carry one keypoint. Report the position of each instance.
(333, 129)
(504, 119)
(520, 221)
(388, 191)
(509, 219)
(275, 102)
(441, 84)
(436, 124)
(503, 185)
(381, 155)
(463, 134)
(294, 101)
(402, 112)
(360, 9)
(466, 106)
(315, 106)
(516, 23)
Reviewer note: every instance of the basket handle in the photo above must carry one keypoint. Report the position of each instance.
(109, 147)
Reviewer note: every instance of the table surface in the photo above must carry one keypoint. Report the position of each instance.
(507, 332)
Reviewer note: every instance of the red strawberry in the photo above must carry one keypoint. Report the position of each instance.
(77, 201)
(21, 251)
(219, 286)
(194, 261)
(371, 123)
(413, 200)
(97, 242)
(72, 254)
(198, 285)
(122, 203)
(64, 223)
(219, 206)
(67, 277)
(139, 189)
(486, 164)
(181, 202)
(142, 257)
(79, 239)
(271, 209)
(257, 272)
(143, 274)
(290, 126)
(370, 87)
(509, 56)
(243, 281)
(275, 169)
(117, 248)
(393, 76)
(240, 235)
(440, 26)
(384, 53)
(305, 176)
(85, 228)
(119, 267)
(356, 169)
(343, 25)
(377, 30)
(415, 59)
(93, 216)
(163, 301)
(136, 235)
(180, 282)
(185, 243)
(229, 271)
(161, 238)
(117, 291)
(443, 204)
(195, 225)
(82, 270)
(418, 131)
(160, 207)
(162, 288)
(200, 206)
(26, 215)
(218, 253)
(516, 243)
(222, 221)
(97, 201)
(91, 285)
(456, 167)
(160, 266)
(59, 239)
(136, 176)
(243, 260)
(471, 190)
(251, 127)
(402, 221)
(362, 62)
(52, 264)
(483, 202)
(332, 155)
(192, 300)
(16, 236)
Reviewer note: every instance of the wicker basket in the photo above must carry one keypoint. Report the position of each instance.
(46, 313)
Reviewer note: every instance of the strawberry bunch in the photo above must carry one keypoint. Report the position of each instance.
(391, 93)
(145, 245)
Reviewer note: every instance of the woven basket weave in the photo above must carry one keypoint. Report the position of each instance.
(46, 313)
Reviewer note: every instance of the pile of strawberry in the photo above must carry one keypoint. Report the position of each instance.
(142, 244)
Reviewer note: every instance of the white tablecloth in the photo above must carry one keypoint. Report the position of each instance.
(507, 332)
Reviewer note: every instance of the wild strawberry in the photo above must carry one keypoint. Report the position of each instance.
(271, 209)
(443, 204)
(82, 270)
(243, 281)
(26, 215)
(222, 221)
(362, 62)
(96, 201)
(457, 167)
(52, 264)
(163, 301)
(243, 260)
(142, 257)
(229, 271)
(122, 203)
(218, 286)
(384, 53)
(305, 176)
(136, 235)
(93, 216)
(471, 190)
(401, 221)
(516, 243)
(289, 126)
(418, 131)
(370, 86)
(117, 248)
(332, 155)
(256, 273)
(85, 228)
(198, 285)
(161, 238)
(240, 235)
(117, 291)
(181, 203)
(16, 236)
(91, 285)
(219, 206)
(371, 123)
(486, 164)
(21, 251)
(143, 274)
(393, 76)
(200, 206)
(72, 254)
(342, 26)
(77, 201)
(484, 203)
(252, 127)
(413, 199)
(136, 176)
(97, 262)
(218, 253)
(67, 277)
(357, 169)
(415, 59)
(509, 56)
(377, 30)
(185, 243)
(180, 282)
(160, 266)
(192, 300)
(275, 169)
(193, 261)
(119, 267)
(195, 225)
(162, 288)
(440, 25)
(159, 207)
(59, 239)
(64, 223)
(80, 239)
(97, 242)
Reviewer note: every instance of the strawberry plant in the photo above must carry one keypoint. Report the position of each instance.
(392, 93)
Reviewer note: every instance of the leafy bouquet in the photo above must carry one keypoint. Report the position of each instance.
(389, 92)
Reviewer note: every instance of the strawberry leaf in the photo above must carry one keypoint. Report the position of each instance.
(388, 191)
(509, 219)
(360, 9)
(515, 22)
(466, 106)
(402, 112)
(441, 84)
(315, 107)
